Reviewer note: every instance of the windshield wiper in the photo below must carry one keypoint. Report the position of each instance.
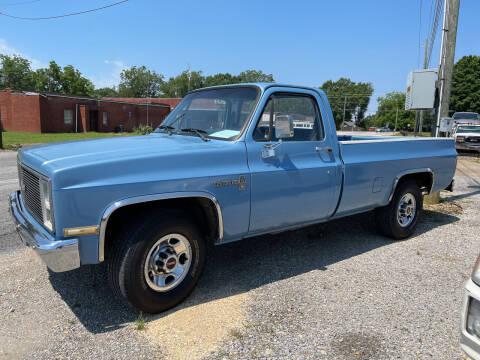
(170, 128)
(200, 133)
(166, 127)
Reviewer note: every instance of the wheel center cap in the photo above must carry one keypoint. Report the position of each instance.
(171, 263)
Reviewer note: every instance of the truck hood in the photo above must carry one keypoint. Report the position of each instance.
(100, 158)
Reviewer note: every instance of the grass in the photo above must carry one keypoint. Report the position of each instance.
(13, 140)
(140, 322)
(236, 334)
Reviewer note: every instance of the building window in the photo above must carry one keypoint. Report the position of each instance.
(105, 118)
(68, 117)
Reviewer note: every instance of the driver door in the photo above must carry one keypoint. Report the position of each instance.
(300, 183)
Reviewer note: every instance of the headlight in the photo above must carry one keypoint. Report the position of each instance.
(473, 318)
(460, 139)
(476, 272)
(46, 203)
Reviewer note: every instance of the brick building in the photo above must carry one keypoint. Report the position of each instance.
(44, 112)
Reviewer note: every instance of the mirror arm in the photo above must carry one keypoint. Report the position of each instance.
(270, 125)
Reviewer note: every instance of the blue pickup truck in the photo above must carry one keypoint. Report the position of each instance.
(228, 163)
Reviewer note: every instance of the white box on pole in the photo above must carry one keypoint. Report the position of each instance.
(446, 124)
(421, 85)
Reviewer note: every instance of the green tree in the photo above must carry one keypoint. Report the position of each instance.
(348, 99)
(179, 85)
(74, 83)
(465, 95)
(221, 79)
(140, 82)
(49, 79)
(387, 112)
(249, 76)
(106, 92)
(16, 73)
(68, 81)
(367, 121)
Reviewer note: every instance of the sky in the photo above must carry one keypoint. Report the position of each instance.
(303, 42)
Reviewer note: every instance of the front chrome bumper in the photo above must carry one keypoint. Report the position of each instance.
(58, 255)
(467, 146)
(470, 344)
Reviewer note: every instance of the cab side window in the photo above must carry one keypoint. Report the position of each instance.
(307, 122)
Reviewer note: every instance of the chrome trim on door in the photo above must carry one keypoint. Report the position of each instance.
(147, 198)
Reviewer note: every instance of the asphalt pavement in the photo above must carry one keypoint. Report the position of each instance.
(8, 183)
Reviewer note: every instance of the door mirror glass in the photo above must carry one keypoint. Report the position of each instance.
(283, 126)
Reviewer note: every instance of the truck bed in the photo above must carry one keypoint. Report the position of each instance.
(371, 165)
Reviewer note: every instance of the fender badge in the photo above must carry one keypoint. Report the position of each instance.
(241, 182)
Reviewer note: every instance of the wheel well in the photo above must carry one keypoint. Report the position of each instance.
(200, 210)
(423, 179)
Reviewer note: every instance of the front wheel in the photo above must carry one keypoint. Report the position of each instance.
(156, 261)
(399, 219)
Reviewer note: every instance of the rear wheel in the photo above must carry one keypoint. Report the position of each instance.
(156, 261)
(399, 219)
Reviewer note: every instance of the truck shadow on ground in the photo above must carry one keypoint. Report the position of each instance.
(237, 267)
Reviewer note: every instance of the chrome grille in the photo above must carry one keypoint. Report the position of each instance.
(30, 185)
(474, 139)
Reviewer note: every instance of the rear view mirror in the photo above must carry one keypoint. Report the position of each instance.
(283, 126)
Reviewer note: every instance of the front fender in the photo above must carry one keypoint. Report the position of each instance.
(148, 198)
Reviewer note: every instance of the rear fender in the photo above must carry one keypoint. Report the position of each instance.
(405, 173)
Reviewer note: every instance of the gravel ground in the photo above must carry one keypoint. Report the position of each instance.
(332, 291)
(44, 315)
(346, 293)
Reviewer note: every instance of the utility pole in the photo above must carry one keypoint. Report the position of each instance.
(447, 57)
(189, 74)
(148, 101)
(396, 120)
(420, 125)
(344, 109)
(416, 123)
(445, 71)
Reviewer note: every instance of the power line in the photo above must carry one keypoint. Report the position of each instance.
(434, 27)
(419, 33)
(64, 15)
(431, 16)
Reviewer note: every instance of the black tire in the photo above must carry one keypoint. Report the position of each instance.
(126, 260)
(386, 217)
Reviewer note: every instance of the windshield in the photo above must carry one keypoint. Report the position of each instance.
(218, 113)
(468, 129)
(470, 116)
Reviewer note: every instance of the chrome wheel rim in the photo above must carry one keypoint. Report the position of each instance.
(168, 262)
(407, 208)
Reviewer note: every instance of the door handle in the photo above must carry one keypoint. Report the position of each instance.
(327, 148)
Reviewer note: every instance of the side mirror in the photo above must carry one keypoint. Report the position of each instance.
(283, 126)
